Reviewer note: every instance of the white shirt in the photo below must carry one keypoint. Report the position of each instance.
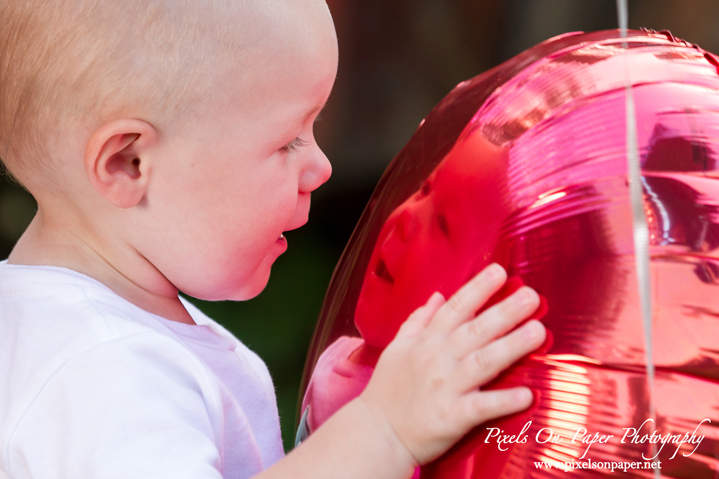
(92, 386)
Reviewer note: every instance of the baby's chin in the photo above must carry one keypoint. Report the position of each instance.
(226, 286)
(236, 279)
(373, 326)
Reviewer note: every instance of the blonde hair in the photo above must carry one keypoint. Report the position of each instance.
(67, 63)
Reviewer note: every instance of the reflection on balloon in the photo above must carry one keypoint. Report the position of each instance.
(525, 165)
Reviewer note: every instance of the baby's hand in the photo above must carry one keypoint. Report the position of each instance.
(425, 387)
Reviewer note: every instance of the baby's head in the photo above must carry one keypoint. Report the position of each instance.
(174, 134)
(437, 239)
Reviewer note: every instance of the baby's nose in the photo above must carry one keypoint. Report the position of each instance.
(316, 172)
(407, 224)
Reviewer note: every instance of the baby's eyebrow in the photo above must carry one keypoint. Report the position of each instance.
(289, 127)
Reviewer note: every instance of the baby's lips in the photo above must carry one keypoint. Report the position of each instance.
(296, 224)
(302, 213)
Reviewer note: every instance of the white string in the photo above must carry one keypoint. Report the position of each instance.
(641, 231)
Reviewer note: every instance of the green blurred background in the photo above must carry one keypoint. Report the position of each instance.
(398, 58)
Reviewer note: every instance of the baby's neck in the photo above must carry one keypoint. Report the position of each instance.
(46, 244)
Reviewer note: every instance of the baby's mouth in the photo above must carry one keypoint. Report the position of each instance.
(381, 272)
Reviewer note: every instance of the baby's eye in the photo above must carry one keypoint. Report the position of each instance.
(294, 145)
(442, 222)
(424, 191)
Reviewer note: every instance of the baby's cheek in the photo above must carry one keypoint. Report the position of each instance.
(444, 262)
(450, 270)
(238, 253)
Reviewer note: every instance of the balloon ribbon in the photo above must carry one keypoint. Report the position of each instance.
(641, 231)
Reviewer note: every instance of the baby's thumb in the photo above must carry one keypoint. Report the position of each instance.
(421, 317)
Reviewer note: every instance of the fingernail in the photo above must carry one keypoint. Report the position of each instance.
(533, 329)
(523, 395)
(527, 296)
(436, 296)
(494, 271)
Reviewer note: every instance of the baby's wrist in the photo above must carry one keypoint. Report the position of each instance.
(383, 430)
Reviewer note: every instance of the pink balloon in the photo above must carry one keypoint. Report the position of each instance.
(526, 165)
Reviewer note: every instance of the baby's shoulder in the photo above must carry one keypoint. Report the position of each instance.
(52, 308)
(52, 318)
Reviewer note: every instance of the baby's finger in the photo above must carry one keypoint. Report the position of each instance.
(482, 406)
(496, 321)
(481, 366)
(469, 298)
(419, 319)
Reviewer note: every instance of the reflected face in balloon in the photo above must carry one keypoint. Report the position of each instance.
(436, 239)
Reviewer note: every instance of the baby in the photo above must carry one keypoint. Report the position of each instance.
(169, 144)
(434, 241)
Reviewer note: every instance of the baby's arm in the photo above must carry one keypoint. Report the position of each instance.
(423, 396)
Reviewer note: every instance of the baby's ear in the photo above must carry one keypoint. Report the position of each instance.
(117, 162)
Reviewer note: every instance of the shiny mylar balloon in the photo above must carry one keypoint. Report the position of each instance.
(526, 165)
